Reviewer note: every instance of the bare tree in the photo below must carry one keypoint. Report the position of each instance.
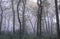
(19, 18)
(23, 15)
(57, 19)
(1, 16)
(39, 2)
(33, 26)
(13, 16)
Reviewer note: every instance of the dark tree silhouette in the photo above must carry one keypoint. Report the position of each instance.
(57, 19)
(13, 16)
(1, 16)
(19, 18)
(39, 2)
(23, 16)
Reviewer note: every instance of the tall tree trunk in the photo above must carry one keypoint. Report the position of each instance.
(1, 16)
(39, 18)
(19, 18)
(23, 15)
(13, 17)
(57, 19)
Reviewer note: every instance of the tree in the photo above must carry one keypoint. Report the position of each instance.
(13, 16)
(19, 18)
(1, 16)
(23, 16)
(39, 2)
(57, 19)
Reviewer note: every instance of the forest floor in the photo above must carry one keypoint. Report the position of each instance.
(11, 36)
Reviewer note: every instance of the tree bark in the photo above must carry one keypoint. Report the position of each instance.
(57, 19)
(1, 16)
(19, 18)
(23, 15)
(13, 17)
(39, 18)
